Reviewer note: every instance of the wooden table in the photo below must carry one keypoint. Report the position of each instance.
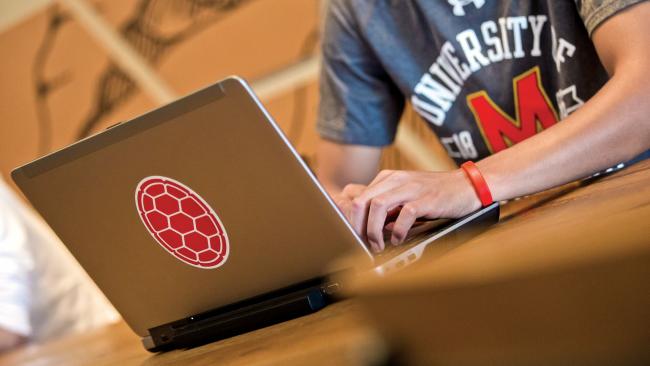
(340, 334)
(336, 335)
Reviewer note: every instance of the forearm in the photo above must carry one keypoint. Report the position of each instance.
(338, 165)
(612, 127)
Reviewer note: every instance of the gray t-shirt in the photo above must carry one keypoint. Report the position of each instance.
(484, 74)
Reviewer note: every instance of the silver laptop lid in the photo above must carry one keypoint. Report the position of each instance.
(189, 207)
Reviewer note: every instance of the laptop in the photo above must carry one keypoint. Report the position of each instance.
(198, 220)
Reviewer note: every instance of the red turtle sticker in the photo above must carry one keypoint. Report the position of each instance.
(182, 222)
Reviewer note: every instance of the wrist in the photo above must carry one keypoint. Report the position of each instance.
(466, 191)
(478, 182)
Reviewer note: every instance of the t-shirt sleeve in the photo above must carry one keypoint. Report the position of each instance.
(359, 103)
(595, 12)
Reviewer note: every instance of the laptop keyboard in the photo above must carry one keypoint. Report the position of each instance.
(416, 235)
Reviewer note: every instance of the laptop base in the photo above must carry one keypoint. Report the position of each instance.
(245, 316)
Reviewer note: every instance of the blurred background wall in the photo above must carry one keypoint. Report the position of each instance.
(66, 70)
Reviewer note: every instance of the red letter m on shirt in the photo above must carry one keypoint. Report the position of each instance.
(534, 112)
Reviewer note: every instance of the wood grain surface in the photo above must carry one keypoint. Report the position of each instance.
(336, 335)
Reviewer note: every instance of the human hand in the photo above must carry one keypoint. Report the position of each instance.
(408, 195)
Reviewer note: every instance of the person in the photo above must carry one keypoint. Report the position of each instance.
(44, 293)
(537, 92)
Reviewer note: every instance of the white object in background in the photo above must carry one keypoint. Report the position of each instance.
(44, 292)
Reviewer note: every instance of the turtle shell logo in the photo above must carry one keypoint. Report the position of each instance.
(182, 222)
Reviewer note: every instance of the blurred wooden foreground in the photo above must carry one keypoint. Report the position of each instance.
(563, 279)
(564, 283)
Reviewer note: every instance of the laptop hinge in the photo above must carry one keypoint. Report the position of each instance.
(241, 317)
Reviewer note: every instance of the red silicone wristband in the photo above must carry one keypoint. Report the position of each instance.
(479, 183)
